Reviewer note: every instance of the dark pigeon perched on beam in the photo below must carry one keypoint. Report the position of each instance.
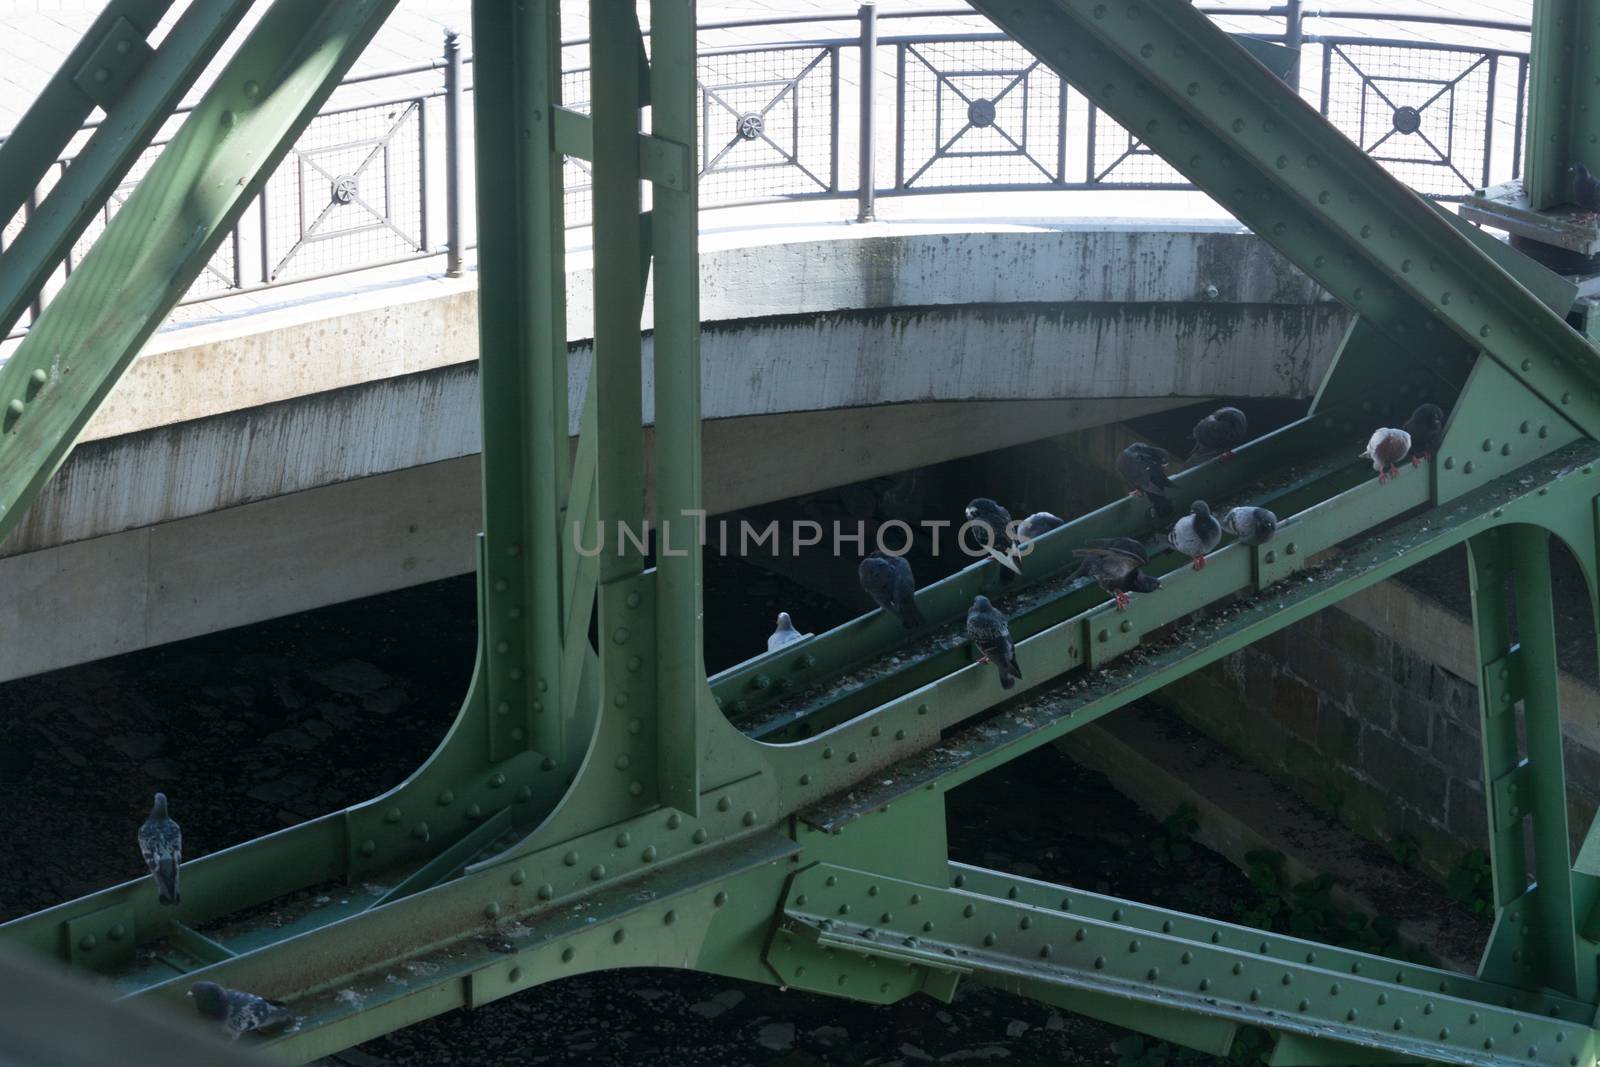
(1426, 428)
(1038, 524)
(239, 1012)
(1219, 433)
(991, 636)
(1114, 562)
(161, 845)
(888, 581)
(1144, 468)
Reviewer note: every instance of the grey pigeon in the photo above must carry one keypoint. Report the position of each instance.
(1114, 562)
(888, 581)
(1426, 427)
(161, 845)
(785, 634)
(996, 523)
(1252, 526)
(987, 629)
(1196, 533)
(1037, 525)
(1585, 188)
(1386, 448)
(1144, 468)
(1219, 433)
(237, 1011)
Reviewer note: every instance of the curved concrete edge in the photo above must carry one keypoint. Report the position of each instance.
(355, 336)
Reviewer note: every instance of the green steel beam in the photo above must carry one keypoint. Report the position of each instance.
(842, 923)
(1563, 124)
(132, 119)
(522, 328)
(1167, 73)
(162, 237)
(50, 123)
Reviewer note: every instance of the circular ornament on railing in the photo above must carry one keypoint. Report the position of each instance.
(751, 126)
(344, 188)
(1407, 119)
(981, 113)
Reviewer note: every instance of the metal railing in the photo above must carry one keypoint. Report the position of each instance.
(942, 112)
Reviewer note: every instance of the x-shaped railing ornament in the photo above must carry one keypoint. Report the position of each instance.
(1416, 110)
(945, 79)
(748, 123)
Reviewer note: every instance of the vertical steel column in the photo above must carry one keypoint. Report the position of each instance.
(680, 649)
(1534, 943)
(1294, 31)
(452, 153)
(865, 198)
(523, 363)
(1563, 123)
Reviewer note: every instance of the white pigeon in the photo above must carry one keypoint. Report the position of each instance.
(1386, 448)
(785, 633)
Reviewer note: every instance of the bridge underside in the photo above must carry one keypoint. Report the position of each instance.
(606, 805)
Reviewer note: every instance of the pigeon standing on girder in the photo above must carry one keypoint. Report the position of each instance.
(1252, 526)
(1426, 427)
(161, 845)
(1037, 525)
(1114, 562)
(1196, 533)
(785, 634)
(987, 629)
(888, 581)
(1219, 433)
(1386, 448)
(239, 1012)
(1144, 468)
(1585, 188)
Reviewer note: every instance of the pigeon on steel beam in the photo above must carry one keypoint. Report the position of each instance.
(987, 629)
(1252, 526)
(1386, 448)
(1219, 433)
(888, 581)
(1426, 427)
(1037, 525)
(1196, 533)
(161, 845)
(1585, 188)
(239, 1012)
(785, 634)
(1114, 562)
(1144, 468)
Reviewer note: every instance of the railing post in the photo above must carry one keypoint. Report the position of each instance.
(452, 153)
(1294, 37)
(868, 142)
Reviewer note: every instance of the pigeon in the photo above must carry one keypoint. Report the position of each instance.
(1114, 562)
(1144, 468)
(1196, 533)
(995, 519)
(785, 633)
(986, 627)
(239, 1012)
(161, 844)
(1037, 525)
(1386, 448)
(1426, 427)
(1219, 433)
(1585, 188)
(1252, 526)
(887, 579)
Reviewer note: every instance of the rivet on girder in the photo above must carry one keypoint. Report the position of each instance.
(517, 733)
(719, 900)
(805, 779)
(368, 847)
(446, 798)
(420, 831)
(635, 789)
(491, 910)
(699, 836)
(749, 818)
(1205, 984)
(622, 762)
(597, 872)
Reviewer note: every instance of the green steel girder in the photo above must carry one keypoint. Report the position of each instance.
(1169, 75)
(133, 117)
(55, 117)
(162, 237)
(842, 923)
(1563, 124)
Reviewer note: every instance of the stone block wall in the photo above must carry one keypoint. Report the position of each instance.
(1361, 725)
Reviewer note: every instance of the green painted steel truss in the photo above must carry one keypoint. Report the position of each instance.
(606, 805)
